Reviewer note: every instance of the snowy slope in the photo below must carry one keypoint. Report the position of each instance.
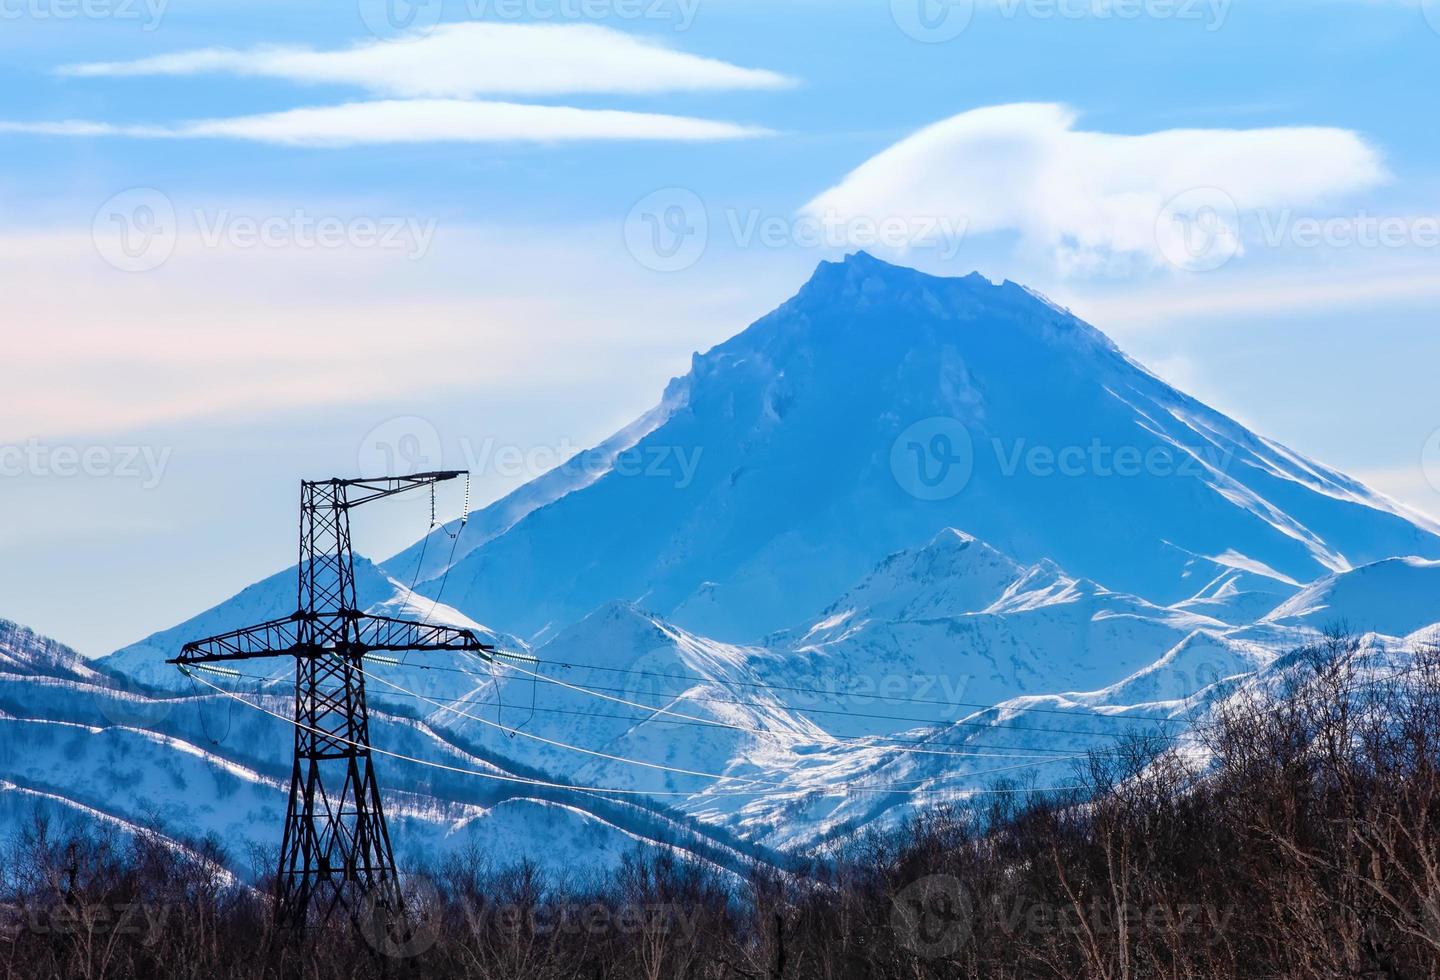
(430, 556)
(808, 473)
(1395, 597)
(23, 651)
(275, 597)
(804, 733)
(910, 655)
(624, 685)
(959, 620)
(1110, 551)
(271, 598)
(1024, 743)
(91, 747)
(803, 755)
(1237, 597)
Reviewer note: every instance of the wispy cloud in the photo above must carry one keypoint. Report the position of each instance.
(416, 121)
(1092, 200)
(231, 330)
(467, 60)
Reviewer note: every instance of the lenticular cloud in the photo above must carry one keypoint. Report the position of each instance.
(1092, 200)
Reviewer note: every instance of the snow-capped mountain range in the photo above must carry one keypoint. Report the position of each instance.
(900, 538)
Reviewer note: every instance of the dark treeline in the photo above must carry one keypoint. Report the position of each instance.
(1304, 842)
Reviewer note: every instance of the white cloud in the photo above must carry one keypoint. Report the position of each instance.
(1091, 200)
(466, 60)
(417, 121)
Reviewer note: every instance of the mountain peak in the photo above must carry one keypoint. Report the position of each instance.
(867, 293)
(23, 651)
(860, 273)
(881, 405)
(953, 573)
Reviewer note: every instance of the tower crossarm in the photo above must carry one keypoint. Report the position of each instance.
(382, 633)
(362, 491)
(275, 638)
(366, 634)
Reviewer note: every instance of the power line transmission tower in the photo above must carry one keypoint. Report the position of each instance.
(335, 851)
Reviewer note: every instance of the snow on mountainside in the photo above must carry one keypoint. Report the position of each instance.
(1238, 597)
(23, 651)
(1037, 546)
(880, 405)
(677, 701)
(93, 750)
(805, 734)
(954, 573)
(275, 598)
(1396, 597)
(959, 618)
(434, 553)
(271, 598)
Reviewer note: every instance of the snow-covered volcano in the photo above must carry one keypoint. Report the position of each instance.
(878, 406)
(900, 537)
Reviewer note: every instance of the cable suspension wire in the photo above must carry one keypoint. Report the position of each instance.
(260, 682)
(891, 739)
(540, 783)
(1009, 752)
(420, 563)
(565, 745)
(923, 721)
(710, 723)
(937, 722)
(573, 665)
(989, 726)
(454, 541)
(424, 546)
(976, 724)
(957, 794)
(449, 561)
(858, 714)
(770, 732)
(672, 769)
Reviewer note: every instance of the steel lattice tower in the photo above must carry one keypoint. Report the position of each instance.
(335, 851)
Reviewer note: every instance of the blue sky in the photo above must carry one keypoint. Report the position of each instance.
(409, 264)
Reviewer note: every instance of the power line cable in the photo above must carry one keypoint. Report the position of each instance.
(876, 741)
(595, 692)
(664, 768)
(564, 745)
(932, 722)
(573, 665)
(603, 791)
